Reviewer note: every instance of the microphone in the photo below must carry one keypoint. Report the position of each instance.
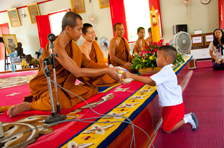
(51, 37)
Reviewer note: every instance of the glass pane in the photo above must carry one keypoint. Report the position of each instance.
(137, 15)
(55, 22)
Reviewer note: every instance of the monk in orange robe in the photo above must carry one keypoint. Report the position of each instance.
(149, 38)
(140, 43)
(92, 50)
(119, 51)
(70, 65)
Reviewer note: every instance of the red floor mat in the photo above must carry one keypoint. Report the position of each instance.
(204, 96)
(14, 74)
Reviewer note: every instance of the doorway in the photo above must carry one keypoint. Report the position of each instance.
(4, 29)
(137, 15)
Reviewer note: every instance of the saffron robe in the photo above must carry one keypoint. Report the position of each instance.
(97, 56)
(143, 46)
(40, 97)
(123, 53)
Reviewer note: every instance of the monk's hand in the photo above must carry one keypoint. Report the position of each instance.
(124, 75)
(112, 72)
(128, 64)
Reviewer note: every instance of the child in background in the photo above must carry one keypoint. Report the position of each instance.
(170, 93)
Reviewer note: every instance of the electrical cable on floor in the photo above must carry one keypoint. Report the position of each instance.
(133, 136)
(82, 120)
(55, 123)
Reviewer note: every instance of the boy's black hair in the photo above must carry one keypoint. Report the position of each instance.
(85, 27)
(139, 28)
(149, 30)
(116, 25)
(70, 20)
(169, 51)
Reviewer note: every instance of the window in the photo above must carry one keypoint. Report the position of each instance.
(55, 21)
(137, 15)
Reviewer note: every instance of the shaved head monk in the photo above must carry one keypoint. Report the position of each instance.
(119, 51)
(149, 39)
(92, 50)
(71, 64)
(140, 43)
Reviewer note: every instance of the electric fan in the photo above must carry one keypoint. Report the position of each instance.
(171, 42)
(92, 18)
(104, 43)
(182, 41)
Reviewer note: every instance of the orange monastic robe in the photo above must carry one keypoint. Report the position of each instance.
(97, 56)
(143, 46)
(40, 97)
(122, 52)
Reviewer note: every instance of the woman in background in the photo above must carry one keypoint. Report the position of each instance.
(216, 49)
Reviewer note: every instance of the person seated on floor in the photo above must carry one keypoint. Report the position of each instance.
(119, 51)
(149, 38)
(20, 50)
(70, 65)
(216, 49)
(93, 52)
(140, 43)
(170, 93)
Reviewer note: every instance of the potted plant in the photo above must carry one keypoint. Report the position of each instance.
(146, 60)
(34, 62)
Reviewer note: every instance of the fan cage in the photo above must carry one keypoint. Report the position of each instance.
(183, 42)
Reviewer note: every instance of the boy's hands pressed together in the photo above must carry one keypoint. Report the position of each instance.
(126, 75)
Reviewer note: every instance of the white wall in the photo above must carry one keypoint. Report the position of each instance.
(28, 33)
(199, 16)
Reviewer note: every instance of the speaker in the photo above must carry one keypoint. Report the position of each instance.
(178, 28)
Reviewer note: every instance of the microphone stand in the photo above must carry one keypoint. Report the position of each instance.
(51, 61)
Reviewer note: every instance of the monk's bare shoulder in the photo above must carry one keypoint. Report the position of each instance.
(139, 43)
(113, 43)
(82, 48)
(58, 49)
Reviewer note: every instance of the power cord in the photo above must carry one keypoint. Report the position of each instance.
(55, 123)
(81, 120)
(130, 122)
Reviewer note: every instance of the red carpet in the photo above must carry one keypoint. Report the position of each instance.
(7, 97)
(14, 95)
(204, 96)
(204, 64)
(23, 73)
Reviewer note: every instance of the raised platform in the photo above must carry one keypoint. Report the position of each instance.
(202, 53)
(143, 111)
